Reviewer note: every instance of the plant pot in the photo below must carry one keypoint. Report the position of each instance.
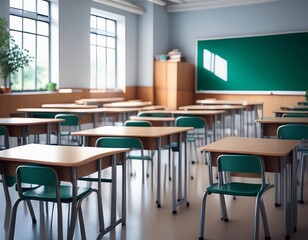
(4, 89)
(51, 87)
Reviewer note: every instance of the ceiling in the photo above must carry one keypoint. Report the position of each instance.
(179, 5)
(191, 5)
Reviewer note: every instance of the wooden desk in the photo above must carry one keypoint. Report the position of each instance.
(210, 116)
(269, 126)
(277, 155)
(128, 104)
(67, 105)
(23, 127)
(230, 109)
(252, 107)
(70, 163)
(153, 138)
(93, 112)
(98, 101)
(155, 121)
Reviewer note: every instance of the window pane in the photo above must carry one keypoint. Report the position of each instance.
(15, 23)
(29, 72)
(93, 39)
(42, 62)
(110, 42)
(101, 68)
(111, 69)
(30, 5)
(110, 26)
(43, 28)
(93, 66)
(16, 4)
(101, 40)
(101, 24)
(43, 8)
(29, 25)
(93, 22)
(17, 36)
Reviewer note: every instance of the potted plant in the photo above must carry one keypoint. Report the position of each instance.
(12, 57)
(306, 95)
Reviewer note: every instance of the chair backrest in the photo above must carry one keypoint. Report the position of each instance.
(241, 164)
(119, 142)
(191, 121)
(42, 115)
(70, 119)
(295, 115)
(149, 114)
(293, 131)
(133, 123)
(38, 175)
(4, 132)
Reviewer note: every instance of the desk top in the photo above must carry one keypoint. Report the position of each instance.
(153, 119)
(28, 121)
(211, 107)
(67, 105)
(198, 112)
(122, 131)
(78, 110)
(283, 120)
(255, 146)
(127, 104)
(53, 155)
(226, 102)
(99, 101)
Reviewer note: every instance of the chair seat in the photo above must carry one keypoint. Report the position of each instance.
(236, 189)
(43, 193)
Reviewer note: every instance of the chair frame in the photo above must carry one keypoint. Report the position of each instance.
(238, 163)
(48, 190)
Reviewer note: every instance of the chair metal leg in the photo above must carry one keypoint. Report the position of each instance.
(202, 215)
(302, 174)
(31, 211)
(264, 220)
(13, 220)
(223, 208)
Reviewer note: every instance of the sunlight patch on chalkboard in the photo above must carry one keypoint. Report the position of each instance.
(215, 64)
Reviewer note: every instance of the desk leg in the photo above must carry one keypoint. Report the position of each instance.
(74, 205)
(158, 171)
(294, 191)
(99, 197)
(48, 133)
(124, 191)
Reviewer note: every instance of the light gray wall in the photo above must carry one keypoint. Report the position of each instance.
(74, 42)
(273, 17)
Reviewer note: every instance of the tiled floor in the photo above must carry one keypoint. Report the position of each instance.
(147, 222)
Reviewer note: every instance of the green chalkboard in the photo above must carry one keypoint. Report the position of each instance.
(259, 63)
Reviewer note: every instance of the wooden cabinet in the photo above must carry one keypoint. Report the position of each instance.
(174, 84)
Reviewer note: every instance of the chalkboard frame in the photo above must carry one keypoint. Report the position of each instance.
(272, 44)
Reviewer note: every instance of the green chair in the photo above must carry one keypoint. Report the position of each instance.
(4, 138)
(48, 190)
(295, 115)
(10, 181)
(198, 133)
(227, 164)
(297, 132)
(158, 114)
(40, 115)
(71, 123)
(146, 157)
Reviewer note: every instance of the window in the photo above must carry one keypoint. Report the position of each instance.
(106, 42)
(30, 27)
